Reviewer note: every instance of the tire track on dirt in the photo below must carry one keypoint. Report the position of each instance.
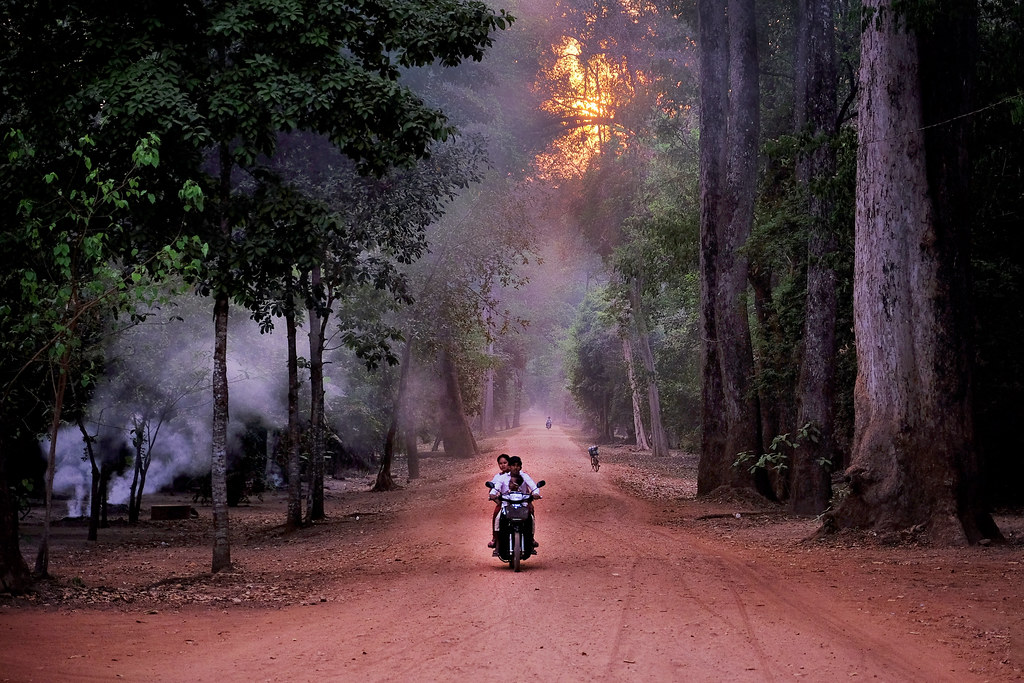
(791, 600)
(682, 583)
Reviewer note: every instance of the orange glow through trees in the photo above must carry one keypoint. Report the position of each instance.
(588, 94)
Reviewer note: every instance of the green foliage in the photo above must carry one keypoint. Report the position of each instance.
(464, 288)
(231, 77)
(595, 367)
(677, 359)
(778, 455)
(79, 261)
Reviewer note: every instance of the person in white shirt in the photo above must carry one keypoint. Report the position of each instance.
(502, 469)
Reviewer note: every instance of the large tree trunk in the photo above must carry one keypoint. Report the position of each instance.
(634, 390)
(913, 463)
(385, 482)
(219, 441)
(735, 350)
(219, 434)
(813, 461)
(294, 514)
(315, 506)
(659, 439)
(712, 470)
(14, 572)
(455, 432)
(728, 185)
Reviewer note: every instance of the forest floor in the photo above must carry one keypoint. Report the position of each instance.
(635, 579)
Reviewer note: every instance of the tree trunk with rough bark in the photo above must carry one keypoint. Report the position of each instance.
(729, 100)
(219, 430)
(315, 506)
(714, 84)
(219, 437)
(294, 514)
(638, 422)
(735, 350)
(913, 464)
(659, 439)
(455, 432)
(816, 111)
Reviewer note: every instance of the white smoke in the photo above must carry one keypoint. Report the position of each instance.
(166, 368)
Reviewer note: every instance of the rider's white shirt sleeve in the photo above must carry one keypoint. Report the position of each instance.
(501, 482)
(529, 482)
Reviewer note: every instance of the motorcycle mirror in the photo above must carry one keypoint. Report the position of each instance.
(490, 484)
(540, 483)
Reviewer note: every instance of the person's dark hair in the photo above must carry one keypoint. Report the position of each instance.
(515, 460)
(517, 478)
(503, 455)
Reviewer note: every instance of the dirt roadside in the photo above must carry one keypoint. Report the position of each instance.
(634, 579)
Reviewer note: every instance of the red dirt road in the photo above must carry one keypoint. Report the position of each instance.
(616, 593)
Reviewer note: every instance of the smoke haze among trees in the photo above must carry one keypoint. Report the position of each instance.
(643, 220)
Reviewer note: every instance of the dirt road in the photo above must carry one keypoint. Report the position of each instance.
(611, 596)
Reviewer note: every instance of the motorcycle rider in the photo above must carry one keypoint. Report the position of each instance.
(501, 485)
(502, 469)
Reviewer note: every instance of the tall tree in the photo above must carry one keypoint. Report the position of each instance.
(317, 332)
(714, 84)
(634, 386)
(815, 118)
(729, 156)
(914, 463)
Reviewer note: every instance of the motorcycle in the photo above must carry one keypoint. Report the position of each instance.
(515, 527)
(548, 423)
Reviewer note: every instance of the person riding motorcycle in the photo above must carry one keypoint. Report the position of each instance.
(502, 469)
(501, 485)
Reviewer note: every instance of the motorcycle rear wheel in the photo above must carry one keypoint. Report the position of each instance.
(517, 550)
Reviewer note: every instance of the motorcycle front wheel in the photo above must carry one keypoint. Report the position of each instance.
(517, 550)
